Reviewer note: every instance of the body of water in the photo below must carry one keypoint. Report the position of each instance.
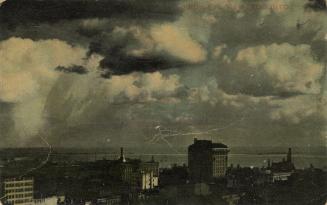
(257, 160)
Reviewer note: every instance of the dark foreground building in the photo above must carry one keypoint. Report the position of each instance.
(207, 160)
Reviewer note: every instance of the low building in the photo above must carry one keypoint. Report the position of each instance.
(54, 200)
(109, 200)
(244, 177)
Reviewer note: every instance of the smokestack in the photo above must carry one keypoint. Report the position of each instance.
(289, 155)
(122, 157)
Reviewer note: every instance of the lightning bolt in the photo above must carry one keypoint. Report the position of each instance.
(163, 134)
(44, 162)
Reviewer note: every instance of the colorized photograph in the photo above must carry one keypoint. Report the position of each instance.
(163, 102)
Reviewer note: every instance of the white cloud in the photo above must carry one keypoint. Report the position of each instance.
(163, 38)
(296, 109)
(31, 63)
(290, 68)
(142, 87)
(177, 42)
(27, 73)
(211, 93)
(12, 91)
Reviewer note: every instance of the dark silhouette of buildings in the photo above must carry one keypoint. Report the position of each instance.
(176, 175)
(281, 171)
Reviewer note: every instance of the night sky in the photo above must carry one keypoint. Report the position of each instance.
(87, 73)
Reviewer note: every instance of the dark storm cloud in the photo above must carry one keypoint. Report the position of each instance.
(136, 47)
(91, 23)
(118, 62)
(119, 65)
(16, 12)
(317, 5)
(284, 95)
(72, 69)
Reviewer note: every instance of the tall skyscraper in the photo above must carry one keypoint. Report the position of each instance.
(207, 160)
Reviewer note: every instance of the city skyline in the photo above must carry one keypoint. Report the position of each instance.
(163, 102)
(207, 178)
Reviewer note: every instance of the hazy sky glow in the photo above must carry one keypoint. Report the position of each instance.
(249, 73)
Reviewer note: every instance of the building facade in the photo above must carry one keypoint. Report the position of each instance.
(219, 160)
(141, 176)
(18, 191)
(207, 160)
